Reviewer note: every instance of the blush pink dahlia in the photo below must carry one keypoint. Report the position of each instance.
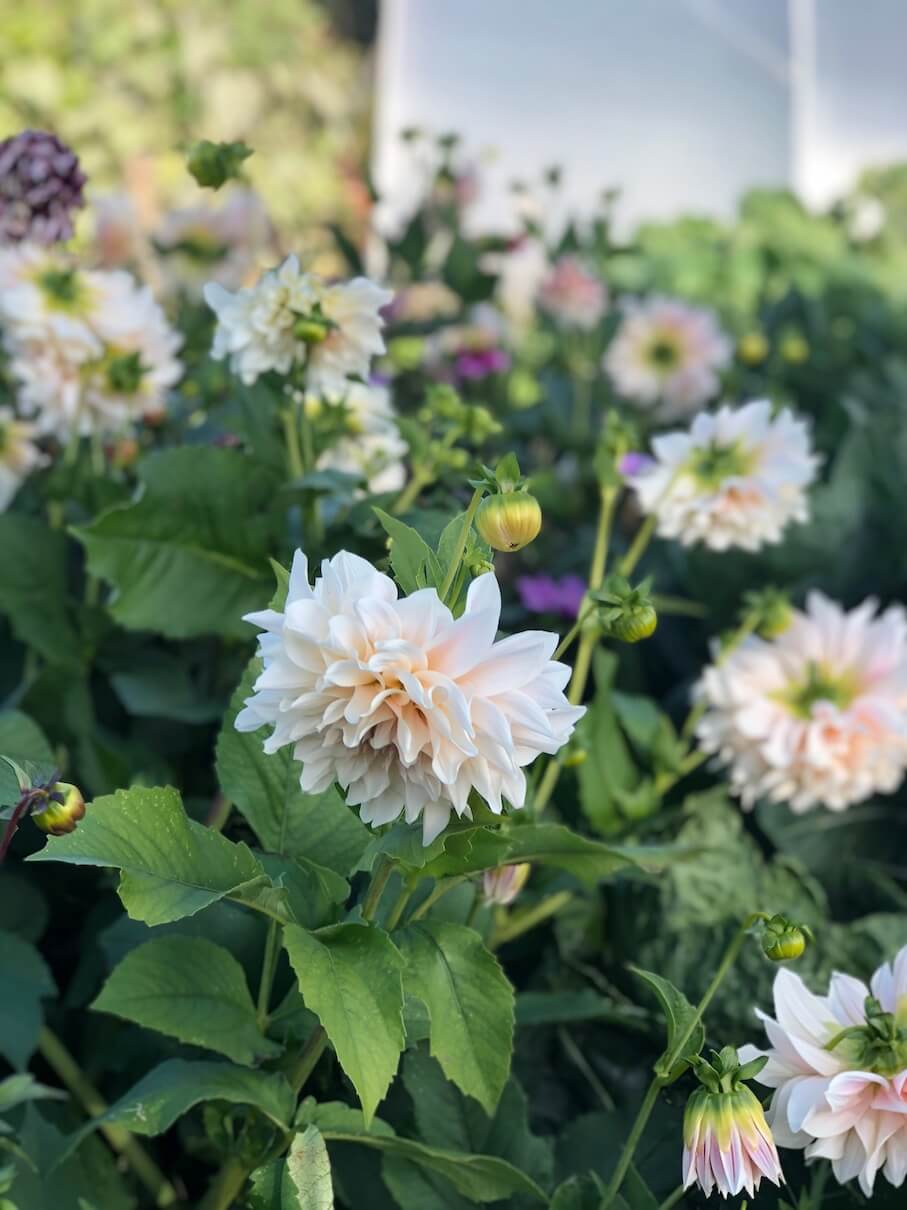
(572, 294)
(838, 1064)
(816, 715)
(407, 708)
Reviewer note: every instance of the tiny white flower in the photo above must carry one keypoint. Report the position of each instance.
(816, 715)
(407, 708)
(838, 1064)
(738, 477)
(667, 355)
(370, 444)
(294, 318)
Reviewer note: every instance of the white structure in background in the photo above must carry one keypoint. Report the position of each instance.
(682, 103)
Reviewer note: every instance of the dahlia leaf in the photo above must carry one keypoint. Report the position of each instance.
(33, 591)
(26, 982)
(185, 558)
(414, 562)
(190, 989)
(171, 866)
(685, 1039)
(350, 977)
(308, 1173)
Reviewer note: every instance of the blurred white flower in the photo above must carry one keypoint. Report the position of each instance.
(91, 350)
(816, 715)
(572, 294)
(117, 236)
(424, 301)
(222, 244)
(838, 1064)
(370, 443)
(667, 355)
(738, 477)
(406, 707)
(19, 455)
(293, 318)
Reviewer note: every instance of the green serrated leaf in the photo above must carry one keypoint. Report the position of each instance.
(469, 1001)
(26, 982)
(414, 562)
(23, 742)
(171, 866)
(679, 1016)
(350, 977)
(191, 989)
(33, 592)
(308, 1173)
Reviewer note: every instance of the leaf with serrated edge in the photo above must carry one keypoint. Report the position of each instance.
(679, 1012)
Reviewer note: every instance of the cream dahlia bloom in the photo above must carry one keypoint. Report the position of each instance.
(92, 351)
(19, 455)
(816, 715)
(293, 318)
(573, 295)
(738, 477)
(370, 443)
(727, 1144)
(838, 1064)
(406, 707)
(222, 243)
(667, 356)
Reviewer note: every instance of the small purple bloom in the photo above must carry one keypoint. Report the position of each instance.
(635, 463)
(545, 594)
(473, 364)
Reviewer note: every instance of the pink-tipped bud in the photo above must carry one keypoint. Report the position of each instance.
(502, 886)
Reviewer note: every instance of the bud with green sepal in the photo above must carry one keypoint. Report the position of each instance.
(768, 611)
(783, 939)
(213, 164)
(618, 438)
(623, 611)
(879, 1045)
(59, 810)
(510, 517)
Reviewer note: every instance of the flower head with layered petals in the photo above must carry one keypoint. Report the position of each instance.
(727, 1144)
(667, 356)
(840, 1088)
(294, 318)
(815, 715)
(407, 708)
(738, 477)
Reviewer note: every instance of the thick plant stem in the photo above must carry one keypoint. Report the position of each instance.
(399, 907)
(226, 1186)
(308, 1058)
(376, 888)
(291, 439)
(667, 1063)
(437, 893)
(522, 922)
(461, 543)
(673, 1198)
(638, 546)
(268, 970)
(67, 1069)
(588, 640)
(410, 494)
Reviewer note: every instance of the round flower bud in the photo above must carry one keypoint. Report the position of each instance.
(310, 330)
(794, 349)
(753, 348)
(637, 623)
(502, 886)
(783, 939)
(65, 807)
(509, 521)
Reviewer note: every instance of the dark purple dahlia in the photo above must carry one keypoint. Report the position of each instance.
(40, 187)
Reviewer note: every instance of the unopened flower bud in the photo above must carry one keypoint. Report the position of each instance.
(311, 329)
(794, 349)
(769, 610)
(624, 612)
(65, 807)
(406, 352)
(575, 757)
(502, 886)
(783, 939)
(634, 624)
(752, 348)
(212, 164)
(509, 521)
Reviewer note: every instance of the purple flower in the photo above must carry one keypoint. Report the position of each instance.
(544, 594)
(634, 463)
(473, 364)
(40, 187)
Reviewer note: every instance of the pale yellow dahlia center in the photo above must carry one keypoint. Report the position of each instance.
(820, 684)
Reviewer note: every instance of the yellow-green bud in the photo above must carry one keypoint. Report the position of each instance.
(59, 817)
(407, 352)
(794, 349)
(752, 348)
(637, 623)
(523, 389)
(311, 330)
(509, 521)
(783, 939)
(575, 757)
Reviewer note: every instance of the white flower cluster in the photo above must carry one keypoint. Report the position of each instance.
(369, 444)
(19, 455)
(406, 707)
(91, 350)
(817, 715)
(738, 477)
(290, 318)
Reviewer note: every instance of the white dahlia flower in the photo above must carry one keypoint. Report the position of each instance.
(838, 1064)
(406, 707)
(816, 715)
(19, 455)
(293, 318)
(92, 351)
(667, 356)
(369, 443)
(736, 478)
(222, 243)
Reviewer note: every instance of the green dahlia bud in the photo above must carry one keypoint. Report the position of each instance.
(783, 940)
(509, 521)
(311, 329)
(624, 612)
(213, 164)
(636, 623)
(770, 610)
(65, 807)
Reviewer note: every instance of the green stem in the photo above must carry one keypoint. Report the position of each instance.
(461, 543)
(523, 921)
(67, 1069)
(226, 1186)
(291, 440)
(573, 631)
(439, 891)
(638, 546)
(268, 970)
(307, 1059)
(673, 1198)
(399, 907)
(666, 1064)
(376, 888)
(411, 492)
